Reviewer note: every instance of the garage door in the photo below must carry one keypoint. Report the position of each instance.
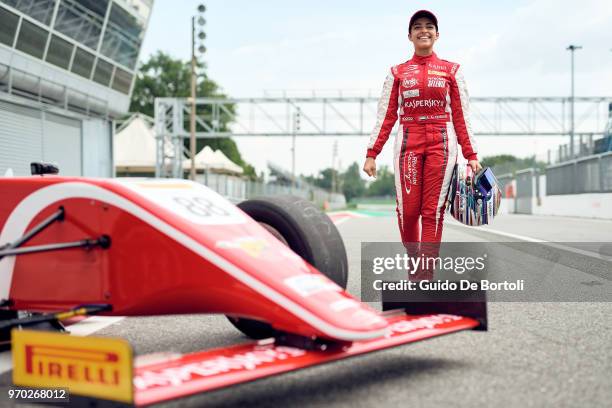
(28, 135)
(21, 132)
(62, 143)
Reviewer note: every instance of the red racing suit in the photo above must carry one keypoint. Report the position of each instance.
(432, 100)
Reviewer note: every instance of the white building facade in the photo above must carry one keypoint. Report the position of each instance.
(67, 68)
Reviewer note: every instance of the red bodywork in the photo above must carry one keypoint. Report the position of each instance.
(177, 247)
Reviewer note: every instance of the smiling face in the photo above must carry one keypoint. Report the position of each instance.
(423, 34)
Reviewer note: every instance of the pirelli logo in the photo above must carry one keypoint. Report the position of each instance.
(439, 73)
(91, 366)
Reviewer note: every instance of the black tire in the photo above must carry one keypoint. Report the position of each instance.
(305, 229)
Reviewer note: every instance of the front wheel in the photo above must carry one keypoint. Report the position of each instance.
(305, 229)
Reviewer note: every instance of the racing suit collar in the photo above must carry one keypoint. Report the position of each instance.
(418, 59)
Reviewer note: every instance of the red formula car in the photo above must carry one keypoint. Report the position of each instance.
(276, 267)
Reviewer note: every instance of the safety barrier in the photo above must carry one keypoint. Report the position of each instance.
(591, 174)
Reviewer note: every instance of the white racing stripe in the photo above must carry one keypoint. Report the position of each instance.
(383, 107)
(464, 98)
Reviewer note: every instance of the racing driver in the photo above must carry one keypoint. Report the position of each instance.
(429, 96)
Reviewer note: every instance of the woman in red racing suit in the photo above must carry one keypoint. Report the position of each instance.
(430, 97)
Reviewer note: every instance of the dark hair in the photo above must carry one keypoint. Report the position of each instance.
(421, 14)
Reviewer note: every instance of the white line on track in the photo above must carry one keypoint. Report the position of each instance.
(347, 213)
(6, 362)
(93, 324)
(557, 245)
(340, 217)
(341, 221)
(497, 232)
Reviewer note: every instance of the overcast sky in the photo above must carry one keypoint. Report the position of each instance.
(507, 48)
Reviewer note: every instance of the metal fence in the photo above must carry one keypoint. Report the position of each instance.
(592, 174)
(584, 146)
(236, 189)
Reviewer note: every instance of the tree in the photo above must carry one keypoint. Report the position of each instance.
(352, 183)
(384, 185)
(164, 76)
(349, 183)
(506, 163)
(324, 178)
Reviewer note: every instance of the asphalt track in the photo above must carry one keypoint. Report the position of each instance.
(534, 354)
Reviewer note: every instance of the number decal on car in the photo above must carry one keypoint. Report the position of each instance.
(192, 201)
(201, 206)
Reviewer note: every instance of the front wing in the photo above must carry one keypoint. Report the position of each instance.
(218, 368)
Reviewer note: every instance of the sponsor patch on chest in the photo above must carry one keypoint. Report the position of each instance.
(410, 83)
(434, 72)
(437, 67)
(407, 71)
(410, 93)
(424, 103)
(436, 82)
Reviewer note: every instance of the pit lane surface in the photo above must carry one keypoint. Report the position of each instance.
(535, 354)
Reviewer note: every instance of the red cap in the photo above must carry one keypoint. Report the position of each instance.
(423, 13)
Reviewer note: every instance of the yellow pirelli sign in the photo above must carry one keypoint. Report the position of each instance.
(90, 366)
